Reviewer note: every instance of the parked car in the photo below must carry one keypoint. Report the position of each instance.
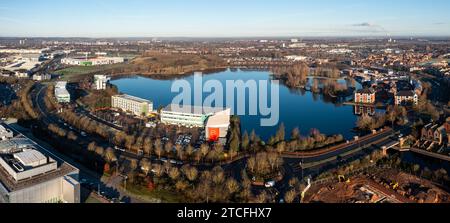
(269, 184)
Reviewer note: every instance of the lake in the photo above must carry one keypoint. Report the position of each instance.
(301, 109)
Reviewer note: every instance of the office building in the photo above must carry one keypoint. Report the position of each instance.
(190, 116)
(131, 104)
(217, 125)
(31, 174)
(100, 82)
(92, 61)
(61, 93)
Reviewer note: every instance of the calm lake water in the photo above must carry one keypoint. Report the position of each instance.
(297, 109)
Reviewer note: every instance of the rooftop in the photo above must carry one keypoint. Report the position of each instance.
(198, 110)
(133, 98)
(366, 91)
(24, 155)
(405, 94)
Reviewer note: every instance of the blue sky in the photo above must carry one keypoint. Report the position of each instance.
(223, 18)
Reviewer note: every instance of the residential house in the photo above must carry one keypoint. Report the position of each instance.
(406, 98)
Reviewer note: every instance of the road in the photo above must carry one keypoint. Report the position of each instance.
(90, 178)
(291, 161)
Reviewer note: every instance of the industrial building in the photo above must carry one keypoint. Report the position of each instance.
(31, 174)
(92, 61)
(100, 82)
(131, 104)
(61, 93)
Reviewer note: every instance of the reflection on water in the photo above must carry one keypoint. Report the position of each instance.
(298, 107)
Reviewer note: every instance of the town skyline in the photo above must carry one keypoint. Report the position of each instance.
(113, 19)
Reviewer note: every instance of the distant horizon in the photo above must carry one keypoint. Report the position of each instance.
(223, 19)
(227, 37)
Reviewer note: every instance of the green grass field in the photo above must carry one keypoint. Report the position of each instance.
(78, 72)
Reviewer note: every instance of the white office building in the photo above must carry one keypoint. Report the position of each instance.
(100, 82)
(92, 61)
(190, 116)
(131, 104)
(61, 93)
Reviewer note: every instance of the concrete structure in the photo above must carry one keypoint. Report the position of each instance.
(365, 96)
(5, 133)
(190, 116)
(23, 51)
(42, 77)
(406, 98)
(100, 82)
(92, 61)
(61, 93)
(131, 104)
(31, 174)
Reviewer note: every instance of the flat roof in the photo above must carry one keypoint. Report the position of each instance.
(189, 109)
(63, 168)
(133, 98)
(30, 157)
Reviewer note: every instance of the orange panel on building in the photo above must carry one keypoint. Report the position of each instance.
(214, 134)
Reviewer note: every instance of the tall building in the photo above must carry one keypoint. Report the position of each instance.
(61, 93)
(134, 105)
(365, 96)
(31, 174)
(100, 82)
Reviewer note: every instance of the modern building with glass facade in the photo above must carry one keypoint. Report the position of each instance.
(190, 116)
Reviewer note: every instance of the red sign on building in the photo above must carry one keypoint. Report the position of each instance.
(214, 134)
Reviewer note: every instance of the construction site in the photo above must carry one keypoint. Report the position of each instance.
(383, 186)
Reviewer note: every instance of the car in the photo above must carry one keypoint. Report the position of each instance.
(173, 161)
(83, 134)
(269, 184)
(164, 160)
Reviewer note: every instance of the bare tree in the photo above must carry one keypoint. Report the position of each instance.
(145, 165)
(290, 196)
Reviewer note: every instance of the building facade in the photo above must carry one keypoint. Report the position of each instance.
(100, 82)
(131, 104)
(190, 116)
(31, 174)
(365, 96)
(92, 61)
(61, 93)
(406, 98)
